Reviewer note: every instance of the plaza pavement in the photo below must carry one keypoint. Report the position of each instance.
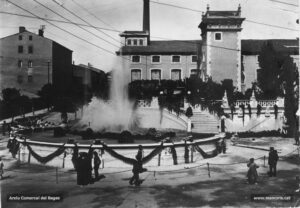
(166, 186)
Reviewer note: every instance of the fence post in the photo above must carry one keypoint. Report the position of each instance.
(29, 155)
(154, 175)
(192, 154)
(208, 169)
(264, 160)
(19, 155)
(159, 156)
(63, 165)
(56, 170)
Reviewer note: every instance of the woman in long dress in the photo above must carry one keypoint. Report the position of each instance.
(252, 172)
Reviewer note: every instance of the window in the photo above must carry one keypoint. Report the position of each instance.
(128, 42)
(20, 37)
(194, 58)
(20, 63)
(136, 59)
(155, 59)
(218, 36)
(20, 49)
(30, 64)
(30, 78)
(175, 74)
(30, 49)
(135, 42)
(30, 37)
(176, 59)
(155, 74)
(141, 42)
(136, 74)
(193, 73)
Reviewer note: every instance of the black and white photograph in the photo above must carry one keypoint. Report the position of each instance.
(149, 103)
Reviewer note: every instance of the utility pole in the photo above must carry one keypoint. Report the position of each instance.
(48, 62)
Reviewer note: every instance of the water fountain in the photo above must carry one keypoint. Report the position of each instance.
(117, 113)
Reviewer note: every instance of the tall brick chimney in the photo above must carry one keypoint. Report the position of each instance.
(146, 17)
(22, 29)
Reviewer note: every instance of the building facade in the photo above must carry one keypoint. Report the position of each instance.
(28, 61)
(221, 54)
(88, 76)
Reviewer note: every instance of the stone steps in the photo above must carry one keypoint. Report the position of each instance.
(203, 122)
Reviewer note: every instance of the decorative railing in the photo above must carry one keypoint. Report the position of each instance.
(267, 103)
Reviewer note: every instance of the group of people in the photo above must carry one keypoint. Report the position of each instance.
(252, 174)
(82, 162)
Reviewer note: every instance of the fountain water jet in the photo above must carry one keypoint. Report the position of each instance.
(117, 113)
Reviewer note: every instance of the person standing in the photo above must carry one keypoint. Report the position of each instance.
(1, 168)
(3, 128)
(252, 172)
(140, 152)
(223, 145)
(97, 163)
(272, 161)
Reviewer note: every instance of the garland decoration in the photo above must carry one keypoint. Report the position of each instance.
(131, 161)
(204, 154)
(47, 158)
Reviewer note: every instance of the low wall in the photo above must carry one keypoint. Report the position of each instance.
(127, 150)
(155, 118)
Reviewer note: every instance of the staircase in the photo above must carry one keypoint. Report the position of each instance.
(204, 122)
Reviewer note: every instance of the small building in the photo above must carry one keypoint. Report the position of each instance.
(88, 76)
(28, 61)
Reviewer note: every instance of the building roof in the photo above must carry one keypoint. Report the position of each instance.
(26, 31)
(189, 47)
(88, 67)
(182, 47)
(253, 47)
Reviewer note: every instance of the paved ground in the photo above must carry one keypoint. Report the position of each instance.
(183, 187)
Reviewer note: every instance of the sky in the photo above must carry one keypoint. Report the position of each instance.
(265, 19)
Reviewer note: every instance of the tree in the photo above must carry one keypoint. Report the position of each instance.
(289, 78)
(189, 112)
(270, 63)
(10, 97)
(47, 94)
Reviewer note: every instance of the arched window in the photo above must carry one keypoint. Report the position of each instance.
(136, 74)
(155, 74)
(176, 74)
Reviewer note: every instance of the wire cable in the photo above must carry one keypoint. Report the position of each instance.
(75, 24)
(246, 20)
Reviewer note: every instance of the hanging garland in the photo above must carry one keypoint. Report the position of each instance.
(131, 161)
(204, 154)
(47, 158)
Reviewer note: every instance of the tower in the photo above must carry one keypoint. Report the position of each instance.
(220, 31)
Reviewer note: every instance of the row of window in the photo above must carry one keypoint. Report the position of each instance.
(20, 64)
(135, 42)
(21, 49)
(20, 79)
(136, 74)
(21, 37)
(157, 59)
